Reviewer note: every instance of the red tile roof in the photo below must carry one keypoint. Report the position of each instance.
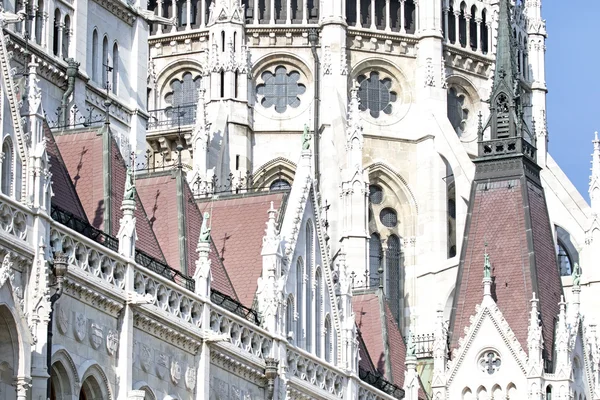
(238, 226)
(367, 312)
(82, 155)
(65, 195)
(500, 215)
(158, 194)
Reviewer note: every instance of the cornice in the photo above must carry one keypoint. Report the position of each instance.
(168, 334)
(239, 368)
(118, 9)
(88, 295)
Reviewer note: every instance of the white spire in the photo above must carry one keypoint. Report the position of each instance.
(594, 188)
(535, 340)
(354, 131)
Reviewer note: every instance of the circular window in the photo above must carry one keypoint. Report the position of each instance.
(280, 89)
(375, 194)
(375, 94)
(388, 217)
(280, 184)
(489, 362)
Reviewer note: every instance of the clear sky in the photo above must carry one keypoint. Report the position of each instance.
(573, 80)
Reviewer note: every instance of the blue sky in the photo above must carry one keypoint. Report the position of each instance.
(573, 80)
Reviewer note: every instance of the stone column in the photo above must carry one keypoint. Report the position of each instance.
(388, 18)
(271, 11)
(446, 26)
(402, 22)
(478, 42)
(59, 39)
(159, 28)
(468, 31)
(44, 21)
(490, 35)
(456, 27)
(256, 11)
(305, 10)
(34, 22)
(358, 22)
(188, 12)
(373, 25)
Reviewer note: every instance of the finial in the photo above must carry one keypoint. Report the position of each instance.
(380, 273)
(487, 267)
(271, 223)
(205, 229)
(179, 149)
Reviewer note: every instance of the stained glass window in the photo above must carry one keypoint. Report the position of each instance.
(375, 94)
(280, 89)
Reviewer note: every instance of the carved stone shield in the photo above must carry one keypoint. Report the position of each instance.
(112, 342)
(62, 320)
(175, 371)
(190, 378)
(79, 326)
(145, 357)
(162, 364)
(96, 335)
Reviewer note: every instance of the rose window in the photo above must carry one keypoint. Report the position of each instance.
(458, 112)
(376, 94)
(490, 362)
(280, 89)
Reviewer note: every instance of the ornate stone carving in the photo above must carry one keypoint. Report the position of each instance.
(162, 364)
(145, 357)
(62, 319)
(175, 371)
(190, 378)
(79, 326)
(96, 335)
(112, 342)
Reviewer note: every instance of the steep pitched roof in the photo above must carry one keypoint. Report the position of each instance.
(158, 193)
(380, 334)
(238, 226)
(65, 195)
(82, 154)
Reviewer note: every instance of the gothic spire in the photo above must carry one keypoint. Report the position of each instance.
(506, 115)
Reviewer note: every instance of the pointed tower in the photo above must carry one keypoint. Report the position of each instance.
(227, 69)
(536, 61)
(508, 211)
(355, 183)
(594, 188)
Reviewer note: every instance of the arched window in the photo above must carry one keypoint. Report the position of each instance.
(380, 14)
(296, 11)
(7, 167)
(181, 100)
(462, 26)
(90, 389)
(182, 13)
(289, 316)
(473, 28)
(549, 392)
(409, 16)
(299, 299)
(450, 209)
(451, 24)
(104, 62)
(484, 32)
(66, 38)
(56, 32)
(374, 260)
(115, 71)
(280, 90)
(95, 56)
(365, 13)
(327, 334)
(565, 264)
(39, 22)
(394, 274)
(280, 184)
(309, 271)
(318, 311)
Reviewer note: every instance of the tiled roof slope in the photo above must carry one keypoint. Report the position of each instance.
(65, 195)
(238, 226)
(158, 193)
(82, 155)
(509, 215)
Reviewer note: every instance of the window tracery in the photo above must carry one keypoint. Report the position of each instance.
(489, 362)
(280, 89)
(182, 98)
(376, 94)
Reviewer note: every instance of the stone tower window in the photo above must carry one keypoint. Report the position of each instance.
(280, 89)
(375, 94)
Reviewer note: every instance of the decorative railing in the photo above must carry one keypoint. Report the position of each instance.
(379, 382)
(172, 117)
(423, 344)
(81, 226)
(163, 269)
(505, 146)
(13, 220)
(88, 258)
(243, 337)
(315, 373)
(167, 296)
(234, 306)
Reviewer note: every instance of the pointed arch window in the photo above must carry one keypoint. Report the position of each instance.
(7, 167)
(56, 33)
(289, 316)
(95, 56)
(374, 259)
(299, 298)
(327, 338)
(565, 264)
(115, 71)
(309, 267)
(393, 274)
(318, 311)
(66, 37)
(104, 61)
